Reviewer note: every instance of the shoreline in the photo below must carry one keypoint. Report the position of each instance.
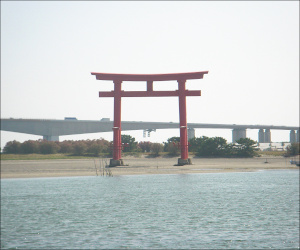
(138, 166)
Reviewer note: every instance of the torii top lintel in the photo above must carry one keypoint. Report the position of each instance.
(149, 77)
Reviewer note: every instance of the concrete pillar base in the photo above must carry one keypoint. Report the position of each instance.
(293, 138)
(115, 163)
(51, 137)
(191, 133)
(182, 162)
(238, 133)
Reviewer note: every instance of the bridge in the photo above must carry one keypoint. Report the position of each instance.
(52, 129)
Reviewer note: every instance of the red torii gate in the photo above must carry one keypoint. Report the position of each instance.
(118, 93)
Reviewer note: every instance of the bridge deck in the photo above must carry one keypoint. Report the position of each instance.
(69, 127)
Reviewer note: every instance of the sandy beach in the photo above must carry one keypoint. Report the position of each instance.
(137, 166)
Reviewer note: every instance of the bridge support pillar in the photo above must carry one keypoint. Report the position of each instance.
(293, 136)
(237, 134)
(191, 133)
(261, 136)
(267, 135)
(297, 136)
(51, 137)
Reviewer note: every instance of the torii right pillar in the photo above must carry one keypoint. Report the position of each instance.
(184, 160)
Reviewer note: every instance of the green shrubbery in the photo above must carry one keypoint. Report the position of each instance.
(83, 147)
(218, 147)
(202, 147)
(172, 146)
(293, 149)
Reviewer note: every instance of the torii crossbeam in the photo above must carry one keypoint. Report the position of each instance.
(117, 93)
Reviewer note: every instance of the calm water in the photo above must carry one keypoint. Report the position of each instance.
(226, 210)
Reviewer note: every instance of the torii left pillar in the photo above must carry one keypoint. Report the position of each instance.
(182, 93)
(117, 143)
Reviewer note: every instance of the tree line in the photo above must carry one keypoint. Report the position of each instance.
(216, 147)
(81, 147)
(200, 146)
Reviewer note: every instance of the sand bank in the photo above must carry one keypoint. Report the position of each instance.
(136, 166)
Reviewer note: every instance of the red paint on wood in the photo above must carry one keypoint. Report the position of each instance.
(149, 77)
(150, 93)
(182, 119)
(117, 121)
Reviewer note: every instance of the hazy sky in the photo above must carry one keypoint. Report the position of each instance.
(251, 50)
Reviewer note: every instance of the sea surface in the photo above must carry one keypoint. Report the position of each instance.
(255, 210)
